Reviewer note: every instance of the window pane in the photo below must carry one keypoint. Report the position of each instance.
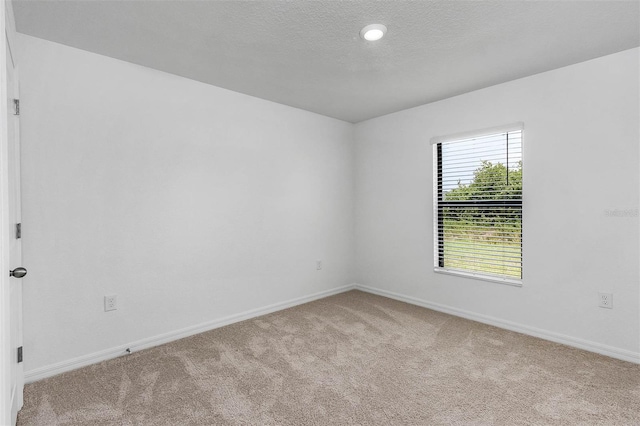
(479, 193)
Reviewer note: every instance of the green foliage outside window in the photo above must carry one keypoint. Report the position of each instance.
(475, 233)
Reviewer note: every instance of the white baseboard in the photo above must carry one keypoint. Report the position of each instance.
(93, 358)
(575, 342)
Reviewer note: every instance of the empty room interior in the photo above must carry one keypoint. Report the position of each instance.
(320, 212)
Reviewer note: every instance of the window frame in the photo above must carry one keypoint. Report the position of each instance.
(438, 220)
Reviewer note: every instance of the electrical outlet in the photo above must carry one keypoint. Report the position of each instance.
(605, 300)
(110, 303)
(318, 264)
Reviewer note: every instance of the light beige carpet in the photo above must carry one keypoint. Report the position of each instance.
(349, 359)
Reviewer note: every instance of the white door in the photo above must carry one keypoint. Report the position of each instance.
(11, 370)
(15, 243)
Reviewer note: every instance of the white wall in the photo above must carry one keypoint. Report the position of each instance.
(193, 203)
(189, 202)
(581, 142)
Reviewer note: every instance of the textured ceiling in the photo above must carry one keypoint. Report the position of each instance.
(308, 54)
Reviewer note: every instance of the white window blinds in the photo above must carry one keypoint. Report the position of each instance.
(478, 196)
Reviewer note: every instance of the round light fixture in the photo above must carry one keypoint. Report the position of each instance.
(373, 32)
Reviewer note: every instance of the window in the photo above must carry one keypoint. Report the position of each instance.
(478, 204)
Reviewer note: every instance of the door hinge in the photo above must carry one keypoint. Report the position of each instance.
(18, 231)
(16, 107)
(20, 354)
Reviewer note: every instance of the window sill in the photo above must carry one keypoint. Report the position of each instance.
(499, 280)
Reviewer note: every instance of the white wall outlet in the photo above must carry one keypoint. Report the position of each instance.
(318, 264)
(605, 300)
(110, 303)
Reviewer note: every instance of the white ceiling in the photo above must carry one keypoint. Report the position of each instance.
(308, 54)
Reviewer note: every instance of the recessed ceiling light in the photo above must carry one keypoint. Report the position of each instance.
(373, 32)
